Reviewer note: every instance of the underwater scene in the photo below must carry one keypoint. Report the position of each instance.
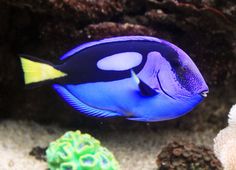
(117, 85)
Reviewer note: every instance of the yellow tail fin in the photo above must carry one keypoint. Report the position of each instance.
(36, 71)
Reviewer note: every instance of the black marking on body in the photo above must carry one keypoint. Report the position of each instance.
(82, 68)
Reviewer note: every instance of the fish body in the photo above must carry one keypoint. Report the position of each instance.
(137, 77)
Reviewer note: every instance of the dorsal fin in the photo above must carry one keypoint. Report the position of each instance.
(143, 87)
(108, 40)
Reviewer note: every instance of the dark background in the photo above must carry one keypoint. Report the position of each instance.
(206, 30)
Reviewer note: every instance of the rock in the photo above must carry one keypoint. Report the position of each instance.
(109, 29)
(224, 142)
(39, 153)
(185, 155)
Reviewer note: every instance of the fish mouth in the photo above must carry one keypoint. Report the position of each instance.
(161, 86)
(204, 93)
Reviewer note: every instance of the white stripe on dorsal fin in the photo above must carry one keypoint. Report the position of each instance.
(108, 40)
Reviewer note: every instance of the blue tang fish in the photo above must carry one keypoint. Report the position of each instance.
(137, 77)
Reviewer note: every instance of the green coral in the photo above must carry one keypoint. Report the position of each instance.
(76, 151)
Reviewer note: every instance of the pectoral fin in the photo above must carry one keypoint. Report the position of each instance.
(143, 87)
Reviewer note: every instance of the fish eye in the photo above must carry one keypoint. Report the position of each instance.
(183, 68)
(204, 93)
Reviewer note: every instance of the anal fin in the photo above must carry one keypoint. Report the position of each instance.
(80, 106)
